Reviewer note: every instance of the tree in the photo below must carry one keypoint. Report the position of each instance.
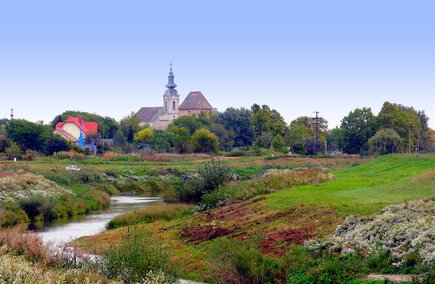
(225, 136)
(28, 135)
(182, 139)
(334, 139)
(404, 120)
(266, 119)
(129, 125)
(144, 136)
(13, 151)
(57, 143)
(278, 144)
(204, 141)
(424, 140)
(163, 141)
(356, 129)
(301, 135)
(239, 122)
(189, 122)
(264, 140)
(385, 141)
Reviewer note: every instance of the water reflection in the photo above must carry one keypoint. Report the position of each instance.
(95, 223)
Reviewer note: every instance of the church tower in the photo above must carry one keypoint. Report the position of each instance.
(171, 98)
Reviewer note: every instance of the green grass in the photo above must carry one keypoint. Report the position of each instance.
(366, 188)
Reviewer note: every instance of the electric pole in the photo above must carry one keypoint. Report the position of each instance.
(12, 113)
(316, 129)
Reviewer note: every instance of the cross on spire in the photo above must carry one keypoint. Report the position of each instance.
(170, 66)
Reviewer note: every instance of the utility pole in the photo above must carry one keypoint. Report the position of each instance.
(12, 113)
(316, 129)
(409, 141)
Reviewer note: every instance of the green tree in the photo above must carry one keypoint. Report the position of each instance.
(144, 135)
(129, 125)
(385, 141)
(204, 141)
(57, 143)
(28, 135)
(356, 129)
(163, 141)
(404, 120)
(225, 136)
(264, 140)
(278, 144)
(13, 151)
(239, 123)
(334, 139)
(301, 135)
(191, 123)
(182, 138)
(266, 119)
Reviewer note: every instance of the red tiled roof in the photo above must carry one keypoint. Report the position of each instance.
(65, 134)
(88, 127)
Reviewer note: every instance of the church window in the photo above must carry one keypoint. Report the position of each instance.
(166, 106)
(173, 105)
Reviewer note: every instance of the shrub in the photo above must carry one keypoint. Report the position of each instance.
(241, 261)
(135, 257)
(204, 141)
(108, 188)
(211, 176)
(385, 141)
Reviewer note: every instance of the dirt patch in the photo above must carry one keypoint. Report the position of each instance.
(278, 243)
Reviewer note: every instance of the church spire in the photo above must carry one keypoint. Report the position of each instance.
(171, 84)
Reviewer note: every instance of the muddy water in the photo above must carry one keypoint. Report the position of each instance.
(95, 223)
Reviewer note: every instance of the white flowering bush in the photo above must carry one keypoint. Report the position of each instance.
(399, 230)
(27, 185)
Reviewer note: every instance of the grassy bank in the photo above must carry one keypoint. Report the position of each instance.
(269, 226)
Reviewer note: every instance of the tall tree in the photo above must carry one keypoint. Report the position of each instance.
(266, 119)
(239, 121)
(356, 129)
(404, 120)
(27, 134)
(302, 132)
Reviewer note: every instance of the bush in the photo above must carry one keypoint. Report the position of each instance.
(108, 188)
(241, 261)
(204, 141)
(135, 257)
(211, 176)
(385, 141)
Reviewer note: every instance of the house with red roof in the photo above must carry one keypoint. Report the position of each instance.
(70, 128)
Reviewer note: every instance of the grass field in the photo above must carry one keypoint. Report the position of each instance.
(286, 217)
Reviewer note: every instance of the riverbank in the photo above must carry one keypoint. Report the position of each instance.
(263, 237)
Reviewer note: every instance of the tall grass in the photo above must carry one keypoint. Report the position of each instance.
(150, 214)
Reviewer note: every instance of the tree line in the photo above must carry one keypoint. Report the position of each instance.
(395, 129)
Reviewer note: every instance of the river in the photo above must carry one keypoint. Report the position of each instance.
(62, 232)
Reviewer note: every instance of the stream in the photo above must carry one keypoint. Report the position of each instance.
(71, 229)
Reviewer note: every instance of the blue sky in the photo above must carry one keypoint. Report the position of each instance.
(112, 57)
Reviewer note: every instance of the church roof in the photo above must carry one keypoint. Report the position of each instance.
(88, 127)
(195, 101)
(149, 114)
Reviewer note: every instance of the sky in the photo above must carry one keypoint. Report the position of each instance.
(112, 57)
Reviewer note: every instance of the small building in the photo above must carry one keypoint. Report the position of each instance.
(72, 127)
(160, 117)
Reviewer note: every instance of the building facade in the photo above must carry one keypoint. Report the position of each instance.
(161, 117)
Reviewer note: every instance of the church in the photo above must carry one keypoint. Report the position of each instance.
(160, 117)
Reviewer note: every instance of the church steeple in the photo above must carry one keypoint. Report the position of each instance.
(171, 84)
